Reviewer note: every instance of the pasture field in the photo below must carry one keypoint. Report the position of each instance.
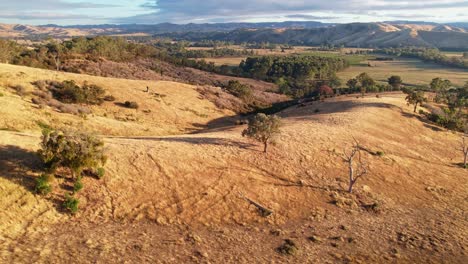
(412, 71)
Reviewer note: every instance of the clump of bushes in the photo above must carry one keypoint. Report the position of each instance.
(239, 90)
(66, 96)
(71, 203)
(43, 185)
(71, 151)
(131, 104)
(70, 93)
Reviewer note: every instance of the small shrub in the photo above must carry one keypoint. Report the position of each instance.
(71, 149)
(71, 204)
(109, 98)
(131, 104)
(20, 90)
(380, 153)
(43, 185)
(288, 248)
(100, 173)
(317, 110)
(421, 112)
(1, 95)
(78, 185)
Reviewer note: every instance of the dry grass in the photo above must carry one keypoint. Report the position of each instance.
(159, 184)
(161, 111)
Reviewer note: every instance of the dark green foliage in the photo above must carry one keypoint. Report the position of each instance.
(239, 90)
(263, 128)
(416, 98)
(366, 82)
(395, 81)
(71, 203)
(78, 185)
(43, 184)
(304, 67)
(131, 104)
(352, 83)
(71, 149)
(71, 93)
(100, 173)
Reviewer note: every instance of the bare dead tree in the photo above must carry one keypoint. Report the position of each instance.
(464, 149)
(356, 166)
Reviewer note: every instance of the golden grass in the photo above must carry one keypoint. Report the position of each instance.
(169, 108)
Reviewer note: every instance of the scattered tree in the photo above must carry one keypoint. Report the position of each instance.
(441, 87)
(325, 91)
(415, 98)
(263, 128)
(357, 168)
(395, 81)
(352, 83)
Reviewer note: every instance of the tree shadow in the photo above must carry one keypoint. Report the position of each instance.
(19, 165)
(198, 141)
(427, 123)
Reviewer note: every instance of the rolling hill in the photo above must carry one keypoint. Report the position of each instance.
(387, 34)
(174, 196)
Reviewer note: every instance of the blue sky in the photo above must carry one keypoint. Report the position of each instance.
(67, 12)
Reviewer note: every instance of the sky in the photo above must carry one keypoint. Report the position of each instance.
(71, 12)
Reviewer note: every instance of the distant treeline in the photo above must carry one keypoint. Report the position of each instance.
(296, 75)
(426, 54)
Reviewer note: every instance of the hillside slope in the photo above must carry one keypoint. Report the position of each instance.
(350, 35)
(169, 107)
(179, 198)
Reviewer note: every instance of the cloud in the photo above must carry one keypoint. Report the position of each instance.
(182, 11)
(48, 5)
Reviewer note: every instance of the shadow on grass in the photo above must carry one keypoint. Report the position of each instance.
(198, 141)
(21, 167)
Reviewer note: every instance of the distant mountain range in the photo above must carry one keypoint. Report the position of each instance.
(378, 34)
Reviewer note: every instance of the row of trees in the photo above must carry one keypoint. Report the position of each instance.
(427, 54)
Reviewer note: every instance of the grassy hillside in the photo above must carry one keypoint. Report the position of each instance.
(169, 107)
(179, 197)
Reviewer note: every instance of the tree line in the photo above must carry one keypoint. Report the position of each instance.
(427, 54)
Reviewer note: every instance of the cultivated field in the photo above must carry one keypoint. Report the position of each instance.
(412, 71)
(175, 197)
